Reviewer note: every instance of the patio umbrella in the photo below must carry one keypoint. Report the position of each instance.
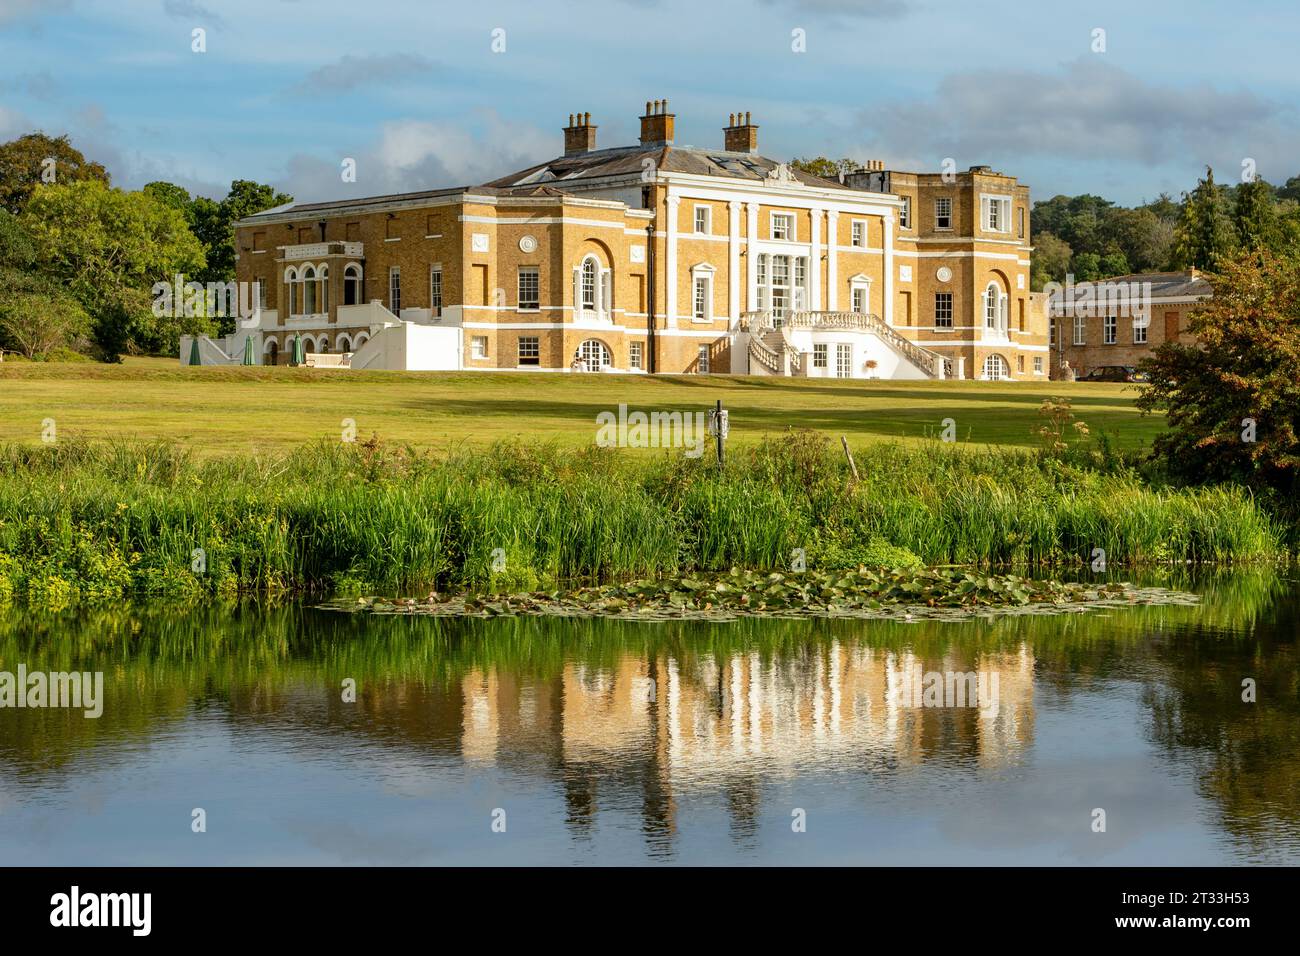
(296, 355)
(249, 358)
(194, 351)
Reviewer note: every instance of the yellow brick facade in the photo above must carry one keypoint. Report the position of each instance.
(607, 249)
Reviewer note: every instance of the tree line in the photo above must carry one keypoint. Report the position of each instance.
(78, 256)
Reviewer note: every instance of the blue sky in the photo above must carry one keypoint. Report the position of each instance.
(414, 92)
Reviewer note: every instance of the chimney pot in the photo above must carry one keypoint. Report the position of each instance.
(741, 136)
(579, 136)
(657, 124)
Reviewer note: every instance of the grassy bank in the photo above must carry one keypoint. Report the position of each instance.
(81, 520)
(237, 410)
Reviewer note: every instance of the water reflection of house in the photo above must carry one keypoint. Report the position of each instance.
(669, 725)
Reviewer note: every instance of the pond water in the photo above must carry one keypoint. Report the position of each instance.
(526, 741)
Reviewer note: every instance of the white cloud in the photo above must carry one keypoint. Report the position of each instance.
(351, 72)
(411, 155)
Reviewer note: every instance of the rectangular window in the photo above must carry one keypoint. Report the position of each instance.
(478, 347)
(529, 288)
(703, 220)
(704, 358)
(800, 283)
(1051, 331)
(1038, 365)
(1020, 363)
(1020, 222)
(1139, 333)
(764, 299)
(1080, 336)
(905, 214)
(780, 295)
(843, 360)
(819, 355)
(1109, 330)
(701, 304)
(782, 225)
(943, 310)
(635, 355)
(530, 350)
(435, 291)
(943, 213)
(395, 290)
(261, 293)
(858, 232)
(259, 242)
(860, 299)
(997, 214)
(392, 229)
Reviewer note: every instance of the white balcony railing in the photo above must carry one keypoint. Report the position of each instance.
(318, 250)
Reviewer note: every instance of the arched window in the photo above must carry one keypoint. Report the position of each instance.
(589, 274)
(324, 297)
(291, 280)
(309, 290)
(344, 344)
(323, 345)
(595, 354)
(272, 350)
(996, 369)
(352, 284)
(362, 339)
(995, 308)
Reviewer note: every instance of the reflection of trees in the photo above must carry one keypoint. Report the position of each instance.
(734, 706)
(1247, 754)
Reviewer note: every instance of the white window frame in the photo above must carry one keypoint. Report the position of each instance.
(1110, 330)
(702, 292)
(534, 350)
(821, 355)
(995, 205)
(943, 203)
(1038, 365)
(1080, 330)
(791, 228)
(435, 289)
(950, 318)
(702, 360)
(843, 360)
(478, 347)
(1140, 331)
(395, 290)
(704, 228)
(860, 283)
(858, 233)
(535, 303)
(636, 355)
(905, 214)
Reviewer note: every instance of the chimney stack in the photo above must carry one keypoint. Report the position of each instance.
(579, 135)
(657, 124)
(740, 135)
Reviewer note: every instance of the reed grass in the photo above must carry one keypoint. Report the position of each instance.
(108, 519)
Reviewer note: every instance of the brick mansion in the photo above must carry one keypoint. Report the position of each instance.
(656, 258)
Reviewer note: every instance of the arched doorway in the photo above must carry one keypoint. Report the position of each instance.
(272, 352)
(595, 355)
(996, 369)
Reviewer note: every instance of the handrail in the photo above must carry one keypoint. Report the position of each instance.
(927, 361)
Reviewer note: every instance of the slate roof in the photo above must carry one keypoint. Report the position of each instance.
(549, 178)
(629, 160)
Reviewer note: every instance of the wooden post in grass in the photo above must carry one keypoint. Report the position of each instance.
(849, 455)
(719, 426)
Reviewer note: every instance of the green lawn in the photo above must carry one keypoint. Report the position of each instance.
(242, 409)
